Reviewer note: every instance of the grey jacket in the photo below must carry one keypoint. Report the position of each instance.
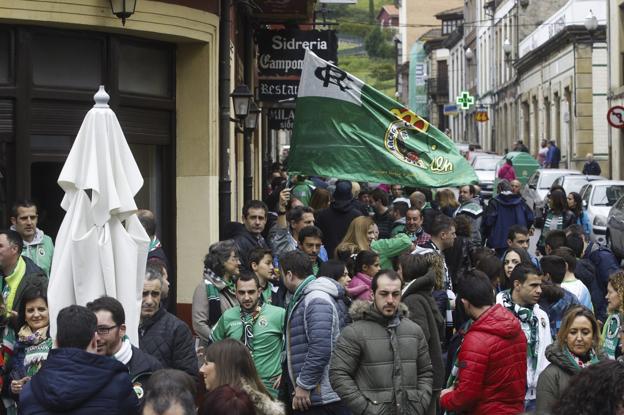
(554, 380)
(380, 365)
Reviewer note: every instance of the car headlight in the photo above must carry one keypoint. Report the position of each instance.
(600, 221)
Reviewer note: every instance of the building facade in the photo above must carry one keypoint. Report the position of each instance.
(169, 72)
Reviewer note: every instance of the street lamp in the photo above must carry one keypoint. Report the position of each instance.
(251, 120)
(469, 54)
(507, 47)
(241, 99)
(249, 123)
(123, 9)
(591, 22)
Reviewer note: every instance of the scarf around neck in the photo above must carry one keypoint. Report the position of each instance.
(214, 285)
(248, 320)
(124, 354)
(528, 322)
(577, 361)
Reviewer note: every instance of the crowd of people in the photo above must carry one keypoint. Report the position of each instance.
(337, 297)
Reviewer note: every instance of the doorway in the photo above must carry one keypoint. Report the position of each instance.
(47, 194)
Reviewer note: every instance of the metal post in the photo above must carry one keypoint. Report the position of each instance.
(225, 183)
(247, 174)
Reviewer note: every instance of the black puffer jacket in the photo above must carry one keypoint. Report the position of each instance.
(142, 365)
(334, 222)
(169, 340)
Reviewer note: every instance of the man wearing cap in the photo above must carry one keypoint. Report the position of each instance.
(334, 220)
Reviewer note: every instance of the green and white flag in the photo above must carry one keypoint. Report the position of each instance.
(347, 129)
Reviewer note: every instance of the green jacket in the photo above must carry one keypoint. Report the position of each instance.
(268, 339)
(40, 251)
(555, 378)
(380, 365)
(389, 248)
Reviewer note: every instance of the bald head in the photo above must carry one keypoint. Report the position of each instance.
(516, 186)
(590, 157)
(147, 219)
(418, 200)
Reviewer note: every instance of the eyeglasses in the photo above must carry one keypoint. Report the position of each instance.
(105, 330)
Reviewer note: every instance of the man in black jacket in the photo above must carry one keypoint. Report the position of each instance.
(382, 217)
(162, 334)
(17, 271)
(111, 328)
(591, 166)
(254, 219)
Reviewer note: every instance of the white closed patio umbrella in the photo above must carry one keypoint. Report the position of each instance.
(101, 247)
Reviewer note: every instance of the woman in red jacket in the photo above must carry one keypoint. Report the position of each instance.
(489, 374)
(507, 171)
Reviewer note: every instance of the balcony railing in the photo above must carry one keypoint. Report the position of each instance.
(437, 86)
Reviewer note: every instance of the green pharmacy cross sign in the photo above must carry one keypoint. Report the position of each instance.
(465, 100)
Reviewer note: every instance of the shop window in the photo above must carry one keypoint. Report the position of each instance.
(65, 61)
(145, 70)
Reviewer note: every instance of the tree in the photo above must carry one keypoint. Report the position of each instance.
(376, 46)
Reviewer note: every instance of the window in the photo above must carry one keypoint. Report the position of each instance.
(5, 57)
(145, 70)
(66, 61)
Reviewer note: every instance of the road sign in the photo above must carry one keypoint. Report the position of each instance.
(481, 116)
(615, 116)
(450, 109)
(465, 100)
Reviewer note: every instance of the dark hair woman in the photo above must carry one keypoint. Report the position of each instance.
(228, 362)
(33, 341)
(575, 204)
(337, 270)
(558, 217)
(511, 259)
(576, 348)
(228, 400)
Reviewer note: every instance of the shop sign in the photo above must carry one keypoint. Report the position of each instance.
(450, 109)
(481, 116)
(277, 90)
(281, 52)
(281, 118)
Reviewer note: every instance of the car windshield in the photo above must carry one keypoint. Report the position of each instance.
(574, 184)
(486, 163)
(548, 179)
(607, 195)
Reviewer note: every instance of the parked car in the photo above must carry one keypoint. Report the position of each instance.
(598, 198)
(615, 228)
(484, 165)
(574, 183)
(539, 184)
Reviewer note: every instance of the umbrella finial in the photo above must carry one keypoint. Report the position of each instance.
(101, 98)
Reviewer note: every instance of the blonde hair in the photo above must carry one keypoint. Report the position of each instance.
(446, 197)
(568, 320)
(356, 234)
